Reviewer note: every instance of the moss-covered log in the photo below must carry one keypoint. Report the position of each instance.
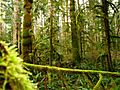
(67, 70)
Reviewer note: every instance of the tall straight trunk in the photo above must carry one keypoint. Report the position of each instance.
(16, 24)
(51, 32)
(107, 35)
(27, 31)
(80, 29)
(75, 45)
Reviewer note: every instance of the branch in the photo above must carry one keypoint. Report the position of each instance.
(98, 83)
(66, 70)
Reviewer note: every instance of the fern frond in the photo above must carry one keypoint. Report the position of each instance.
(12, 72)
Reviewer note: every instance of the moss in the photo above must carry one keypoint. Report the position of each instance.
(12, 74)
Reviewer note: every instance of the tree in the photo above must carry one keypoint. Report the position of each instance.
(74, 34)
(51, 32)
(27, 31)
(107, 35)
(16, 24)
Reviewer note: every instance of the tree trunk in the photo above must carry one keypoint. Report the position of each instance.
(75, 45)
(27, 31)
(109, 65)
(80, 28)
(16, 24)
(51, 32)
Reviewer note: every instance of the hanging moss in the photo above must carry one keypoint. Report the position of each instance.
(12, 74)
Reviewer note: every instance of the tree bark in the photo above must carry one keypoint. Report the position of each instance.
(109, 65)
(16, 24)
(51, 32)
(27, 31)
(75, 45)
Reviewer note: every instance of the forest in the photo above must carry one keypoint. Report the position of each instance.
(59, 44)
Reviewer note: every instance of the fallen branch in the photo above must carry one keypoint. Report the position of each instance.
(98, 83)
(67, 70)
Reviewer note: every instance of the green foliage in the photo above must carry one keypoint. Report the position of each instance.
(6, 20)
(12, 74)
(76, 78)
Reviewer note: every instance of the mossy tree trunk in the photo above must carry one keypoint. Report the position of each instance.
(75, 45)
(108, 59)
(27, 31)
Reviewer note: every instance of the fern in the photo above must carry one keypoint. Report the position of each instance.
(12, 74)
